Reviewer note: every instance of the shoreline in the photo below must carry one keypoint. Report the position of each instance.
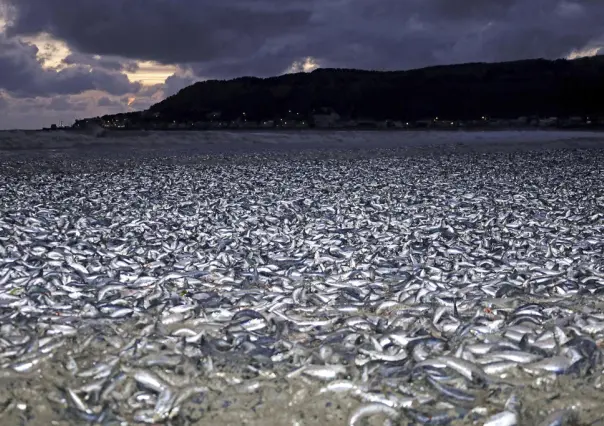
(223, 141)
(332, 129)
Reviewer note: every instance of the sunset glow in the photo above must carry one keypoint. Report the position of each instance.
(308, 64)
(51, 51)
(582, 53)
(150, 73)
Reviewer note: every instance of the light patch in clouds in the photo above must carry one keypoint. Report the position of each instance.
(150, 73)
(308, 64)
(582, 53)
(51, 52)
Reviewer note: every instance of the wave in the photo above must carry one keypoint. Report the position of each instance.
(68, 139)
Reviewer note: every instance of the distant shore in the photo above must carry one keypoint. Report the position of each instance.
(115, 131)
(288, 139)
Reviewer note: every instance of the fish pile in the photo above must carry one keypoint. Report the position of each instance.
(442, 288)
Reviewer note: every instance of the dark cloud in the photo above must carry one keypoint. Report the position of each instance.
(173, 84)
(22, 74)
(168, 31)
(64, 103)
(264, 37)
(106, 102)
(29, 106)
(176, 82)
(108, 63)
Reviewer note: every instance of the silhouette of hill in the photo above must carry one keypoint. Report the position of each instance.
(543, 88)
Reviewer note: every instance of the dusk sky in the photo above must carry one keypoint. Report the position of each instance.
(68, 59)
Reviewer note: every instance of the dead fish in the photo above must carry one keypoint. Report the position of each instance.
(141, 284)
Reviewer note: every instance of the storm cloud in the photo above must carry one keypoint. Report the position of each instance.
(263, 37)
(106, 102)
(159, 30)
(22, 74)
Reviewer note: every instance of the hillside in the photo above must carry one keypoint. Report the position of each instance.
(542, 88)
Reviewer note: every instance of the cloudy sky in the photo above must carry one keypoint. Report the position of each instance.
(68, 59)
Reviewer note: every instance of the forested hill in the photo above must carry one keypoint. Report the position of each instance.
(538, 87)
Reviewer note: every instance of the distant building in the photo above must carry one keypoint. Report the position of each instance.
(290, 123)
(214, 115)
(367, 123)
(548, 122)
(248, 124)
(326, 120)
(424, 123)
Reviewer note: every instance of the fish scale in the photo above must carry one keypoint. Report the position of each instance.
(158, 282)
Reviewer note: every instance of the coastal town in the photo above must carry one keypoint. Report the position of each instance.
(326, 119)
